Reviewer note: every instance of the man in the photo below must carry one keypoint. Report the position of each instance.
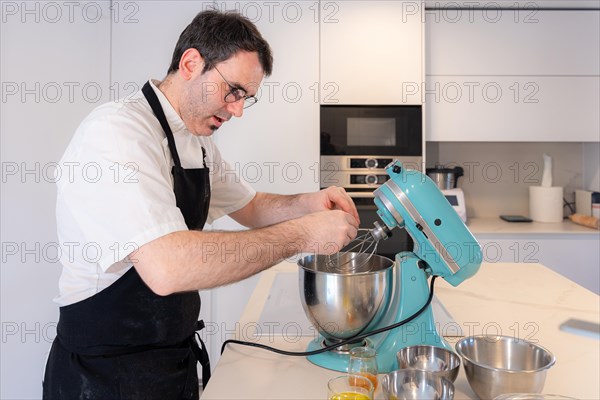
(128, 311)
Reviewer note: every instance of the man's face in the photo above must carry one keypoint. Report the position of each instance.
(203, 107)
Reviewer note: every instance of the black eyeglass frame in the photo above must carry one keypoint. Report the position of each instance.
(235, 93)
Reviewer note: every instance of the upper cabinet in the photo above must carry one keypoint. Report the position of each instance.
(526, 5)
(522, 74)
(371, 52)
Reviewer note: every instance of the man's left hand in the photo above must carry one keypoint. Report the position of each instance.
(333, 198)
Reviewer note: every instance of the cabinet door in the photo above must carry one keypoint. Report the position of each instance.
(576, 257)
(513, 75)
(371, 52)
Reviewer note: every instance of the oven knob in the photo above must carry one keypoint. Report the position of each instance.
(371, 163)
(371, 179)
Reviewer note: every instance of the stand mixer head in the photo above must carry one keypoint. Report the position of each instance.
(443, 247)
(411, 200)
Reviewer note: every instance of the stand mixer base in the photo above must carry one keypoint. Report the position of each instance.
(336, 359)
(345, 349)
(422, 330)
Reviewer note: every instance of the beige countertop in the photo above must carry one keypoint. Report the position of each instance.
(494, 225)
(525, 300)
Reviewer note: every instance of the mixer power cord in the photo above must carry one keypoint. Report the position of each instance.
(346, 341)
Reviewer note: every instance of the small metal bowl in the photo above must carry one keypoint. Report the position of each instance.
(432, 359)
(413, 384)
(495, 365)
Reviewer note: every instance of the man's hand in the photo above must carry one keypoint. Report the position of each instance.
(327, 232)
(332, 198)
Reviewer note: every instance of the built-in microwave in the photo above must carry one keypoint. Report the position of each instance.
(357, 142)
(371, 130)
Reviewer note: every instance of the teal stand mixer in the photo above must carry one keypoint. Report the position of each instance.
(366, 292)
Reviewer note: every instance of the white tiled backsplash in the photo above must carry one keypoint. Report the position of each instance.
(498, 174)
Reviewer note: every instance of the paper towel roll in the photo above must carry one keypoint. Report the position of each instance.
(546, 203)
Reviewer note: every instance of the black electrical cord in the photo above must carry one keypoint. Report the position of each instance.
(351, 340)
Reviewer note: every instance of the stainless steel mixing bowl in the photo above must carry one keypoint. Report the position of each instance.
(431, 359)
(501, 364)
(412, 384)
(342, 303)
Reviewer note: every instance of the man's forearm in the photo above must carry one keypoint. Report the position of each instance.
(193, 260)
(321, 222)
(268, 209)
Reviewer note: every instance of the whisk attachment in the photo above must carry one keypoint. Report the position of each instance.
(356, 255)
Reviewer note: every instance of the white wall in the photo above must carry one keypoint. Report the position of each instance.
(498, 175)
(591, 165)
(54, 71)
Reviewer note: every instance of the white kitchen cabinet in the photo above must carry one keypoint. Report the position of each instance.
(525, 5)
(512, 75)
(571, 250)
(575, 256)
(512, 108)
(371, 52)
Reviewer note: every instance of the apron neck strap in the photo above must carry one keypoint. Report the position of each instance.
(160, 115)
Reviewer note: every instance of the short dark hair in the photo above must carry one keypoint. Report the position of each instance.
(218, 36)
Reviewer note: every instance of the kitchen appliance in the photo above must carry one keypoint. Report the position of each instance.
(445, 178)
(456, 198)
(357, 143)
(364, 130)
(360, 176)
(380, 293)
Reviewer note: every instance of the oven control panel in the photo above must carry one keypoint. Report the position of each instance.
(370, 163)
(360, 175)
(368, 179)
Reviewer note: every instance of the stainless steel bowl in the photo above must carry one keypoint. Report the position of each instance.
(409, 384)
(495, 365)
(432, 359)
(341, 304)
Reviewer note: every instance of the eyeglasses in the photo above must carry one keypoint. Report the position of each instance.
(236, 94)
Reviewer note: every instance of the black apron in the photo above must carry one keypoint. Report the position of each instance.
(126, 342)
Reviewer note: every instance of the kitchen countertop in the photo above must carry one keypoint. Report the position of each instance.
(494, 225)
(525, 300)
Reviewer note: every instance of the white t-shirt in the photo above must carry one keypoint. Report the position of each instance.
(115, 192)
